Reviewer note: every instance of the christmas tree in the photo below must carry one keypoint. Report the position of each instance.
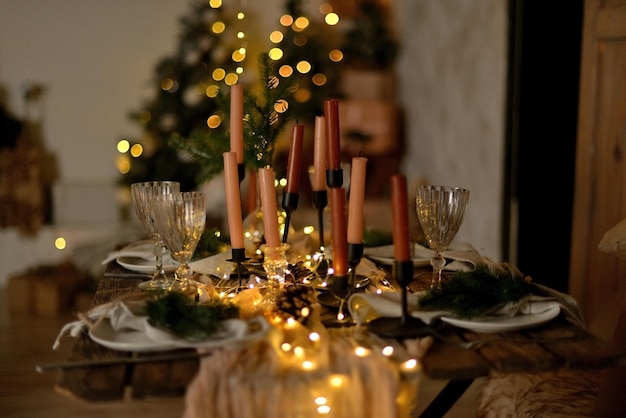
(184, 125)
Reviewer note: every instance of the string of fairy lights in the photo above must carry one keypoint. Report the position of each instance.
(299, 24)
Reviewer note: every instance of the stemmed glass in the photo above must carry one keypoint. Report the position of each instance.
(180, 219)
(440, 210)
(141, 194)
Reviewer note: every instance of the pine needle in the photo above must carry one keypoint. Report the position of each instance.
(474, 293)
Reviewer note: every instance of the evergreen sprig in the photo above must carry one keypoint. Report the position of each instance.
(473, 293)
(188, 319)
(265, 116)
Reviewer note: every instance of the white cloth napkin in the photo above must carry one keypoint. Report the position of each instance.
(143, 252)
(367, 306)
(461, 256)
(129, 315)
(216, 265)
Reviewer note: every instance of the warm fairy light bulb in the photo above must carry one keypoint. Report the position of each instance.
(323, 409)
(60, 243)
(336, 381)
(361, 351)
(285, 71)
(123, 164)
(410, 364)
(331, 19)
(218, 74)
(335, 55)
(276, 37)
(241, 16)
(314, 336)
(123, 146)
(216, 4)
(286, 347)
(325, 8)
(286, 20)
(308, 230)
(276, 54)
(136, 150)
(212, 91)
(303, 66)
(308, 365)
(320, 400)
(214, 121)
(319, 79)
(298, 351)
(281, 106)
(387, 351)
(300, 24)
(282, 182)
(218, 27)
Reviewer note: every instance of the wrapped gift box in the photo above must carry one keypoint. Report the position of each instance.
(45, 290)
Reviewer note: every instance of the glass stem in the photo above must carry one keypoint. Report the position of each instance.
(438, 262)
(158, 250)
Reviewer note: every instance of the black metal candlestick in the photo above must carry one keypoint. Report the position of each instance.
(290, 203)
(334, 178)
(405, 326)
(355, 253)
(238, 256)
(241, 172)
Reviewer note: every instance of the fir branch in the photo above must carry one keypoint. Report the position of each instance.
(185, 318)
(474, 293)
(211, 242)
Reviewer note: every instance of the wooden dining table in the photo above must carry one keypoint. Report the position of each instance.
(96, 373)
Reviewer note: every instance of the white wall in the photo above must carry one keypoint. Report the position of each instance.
(96, 58)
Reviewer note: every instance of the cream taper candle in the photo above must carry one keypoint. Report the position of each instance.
(268, 204)
(233, 200)
(357, 200)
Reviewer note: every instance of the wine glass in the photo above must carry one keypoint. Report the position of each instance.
(180, 219)
(440, 211)
(141, 194)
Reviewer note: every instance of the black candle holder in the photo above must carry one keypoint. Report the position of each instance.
(241, 172)
(334, 178)
(238, 256)
(405, 326)
(290, 203)
(355, 253)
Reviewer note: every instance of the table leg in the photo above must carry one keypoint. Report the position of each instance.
(451, 392)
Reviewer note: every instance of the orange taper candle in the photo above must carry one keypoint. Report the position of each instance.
(338, 236)
(319, 155)
(400, 218)
(357, 200)
(236, 121)
(331, 113)
(233, 200)
(293, 162)
(268, 204)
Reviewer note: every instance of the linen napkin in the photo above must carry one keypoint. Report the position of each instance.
(126, 315)
(460, 256)
(367, 306)
(143, 251)
(215, 265)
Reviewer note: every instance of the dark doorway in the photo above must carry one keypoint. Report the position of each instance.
(542, 110)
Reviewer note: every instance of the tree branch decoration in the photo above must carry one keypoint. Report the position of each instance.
(265, 117)
(469, 294)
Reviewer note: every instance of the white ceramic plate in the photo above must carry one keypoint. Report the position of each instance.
(138, 341)
(143, 264)
(127, 340)
(504, 324)
(384, 255)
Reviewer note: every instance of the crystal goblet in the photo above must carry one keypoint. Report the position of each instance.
(141, 194)
(180, 219)
(440, 211)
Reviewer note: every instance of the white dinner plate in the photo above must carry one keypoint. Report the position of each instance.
(127, 340)
(384, 255)
(143, 264)
(504, 324)
(236, 332)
